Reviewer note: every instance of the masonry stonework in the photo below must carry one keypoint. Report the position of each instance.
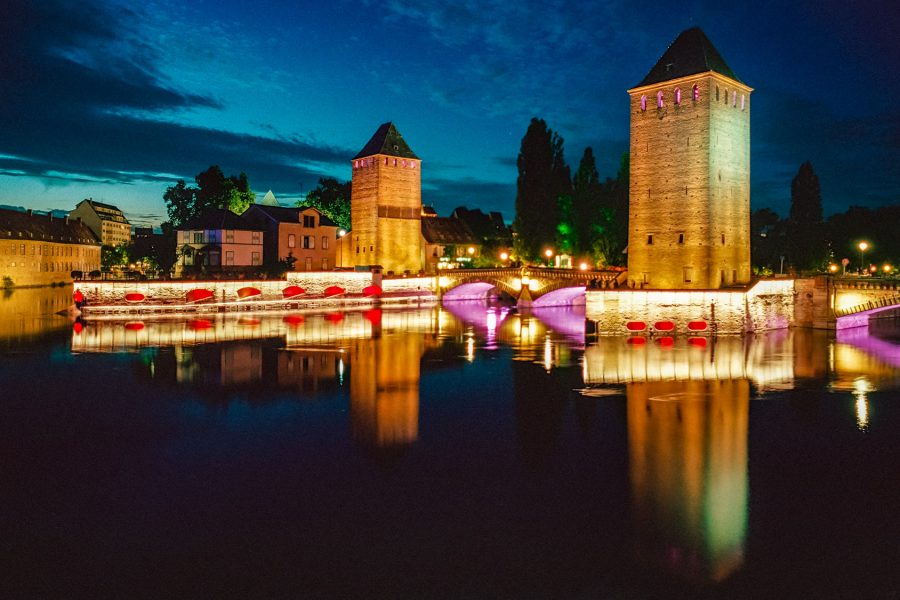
(689, 215)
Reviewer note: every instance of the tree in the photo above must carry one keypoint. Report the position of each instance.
(332, 198)
(594, 211)
(807, 245)
(111, 256)
(213, 190)
(767, 235)
(620, 199)
(542, 185)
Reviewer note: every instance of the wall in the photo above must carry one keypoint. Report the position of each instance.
(767, 305)
(384, 183)
(316, 254)
(33, 263)
(689, 175)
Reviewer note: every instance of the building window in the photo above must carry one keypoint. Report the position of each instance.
(212, 236)
(643, 103)
(733, 99)
(743, 101)
(324, 264)
(723, 239)
(659, 99)
(650, 239)
(695, 93)
(308, 263)
(309, 241)
(309, 220)
(229, 257)
(324, 242)
(229, 236)
(645, 277)
(292, 240)
(214, 257)
(255, 236)
(677, 96)
(680, 238)
(255, 259)
(688, 274)
(717, 93)
(198, 237)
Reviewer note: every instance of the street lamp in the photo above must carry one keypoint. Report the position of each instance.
(341, 233)
(862, 250)
(504, 256)
(887, 268)
(549, 254)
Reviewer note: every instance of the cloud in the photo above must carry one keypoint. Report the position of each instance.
(447, 194)
(84, 101)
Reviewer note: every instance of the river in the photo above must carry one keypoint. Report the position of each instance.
(465, 451)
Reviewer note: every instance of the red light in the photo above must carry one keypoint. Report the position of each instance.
(134, 326)
(697, 342)
(334, 317)
(294, 320)
(697, 325)
(666, 342)
(635, 326)
(637, 341)
(198, 324)
(664, 325)
(77, 327)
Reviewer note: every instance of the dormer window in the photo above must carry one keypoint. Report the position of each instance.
(659, 99)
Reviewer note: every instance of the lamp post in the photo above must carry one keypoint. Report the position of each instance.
(549, 254)
(862, 250)
(341, 233)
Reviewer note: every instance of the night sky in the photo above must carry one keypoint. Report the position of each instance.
(116, 101)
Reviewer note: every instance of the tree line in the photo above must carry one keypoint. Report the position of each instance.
(580, 215)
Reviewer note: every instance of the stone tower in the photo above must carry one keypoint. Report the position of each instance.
(386, 207)
(689, 215)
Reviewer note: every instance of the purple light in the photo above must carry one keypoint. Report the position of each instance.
(659, 99)
(643, 103)
(469, 291)
(695, 92)
(677, 95)
(561, 297)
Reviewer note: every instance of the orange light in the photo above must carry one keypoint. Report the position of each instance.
(873, 268)
(548, 252)
(583, 266)
(504, 255)
(887, 268)
(832, 268)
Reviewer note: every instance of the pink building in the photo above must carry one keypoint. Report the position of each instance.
(219, 241)
(301, 233)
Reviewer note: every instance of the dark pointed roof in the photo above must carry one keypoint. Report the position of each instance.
(689, 54)
(291, 214)
(447, 230)
(387, 140)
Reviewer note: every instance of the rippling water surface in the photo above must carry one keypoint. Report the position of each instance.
(469, 451)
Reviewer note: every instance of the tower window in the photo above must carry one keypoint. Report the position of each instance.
(725, 99)
(677, 95)
(743, 101)
(733, 99)
(659, 99)
(723, 239)
(643, 103)
(680, 238)
(385, 161)
(695, 93)
(650, 240)
(395, 162)
(717, 93)
(688, 274)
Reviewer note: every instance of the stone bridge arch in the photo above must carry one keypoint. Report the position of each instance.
(528, 285)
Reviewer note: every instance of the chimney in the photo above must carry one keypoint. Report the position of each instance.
(28, 212)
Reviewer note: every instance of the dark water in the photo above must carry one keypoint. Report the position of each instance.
(466, 452)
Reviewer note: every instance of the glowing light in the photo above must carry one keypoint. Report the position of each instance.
(471, 249)
(887, 268)
(548, 354)
(504, 256)
(533, 285)
(873, 268)
(833, 268)
(548, 252)
(470, 349)
(860, 388)
(583, 266)
(863, 246)
(341, 232)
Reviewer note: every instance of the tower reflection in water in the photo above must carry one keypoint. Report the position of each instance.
(687, 422)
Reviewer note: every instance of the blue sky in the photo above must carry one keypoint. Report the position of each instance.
(117, 100)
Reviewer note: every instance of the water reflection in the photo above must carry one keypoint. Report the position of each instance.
(29, 313)
(687, 443)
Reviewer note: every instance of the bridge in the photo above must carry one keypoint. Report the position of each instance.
(529, 286)
(856, 300)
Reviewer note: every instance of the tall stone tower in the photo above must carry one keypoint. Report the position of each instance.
(386, 206)
(689, 215)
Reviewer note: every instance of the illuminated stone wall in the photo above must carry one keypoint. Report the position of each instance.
(767, 305)
(689, 215)
(386, 214)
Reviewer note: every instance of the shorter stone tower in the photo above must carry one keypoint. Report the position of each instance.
(689, 195)
(386, 207)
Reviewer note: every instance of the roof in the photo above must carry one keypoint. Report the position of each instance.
(23, 226)
(291, 214)
(689, 54)
(387, 140)
(447, 230)
(217, 218)
(269, 199)
(105, 210)
(485, 226)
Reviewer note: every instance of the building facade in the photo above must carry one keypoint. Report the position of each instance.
(219, 242)
(449, 243)
(301, 233)
(386, 206)
(39, 249)
(689, 211)
(106, 221)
